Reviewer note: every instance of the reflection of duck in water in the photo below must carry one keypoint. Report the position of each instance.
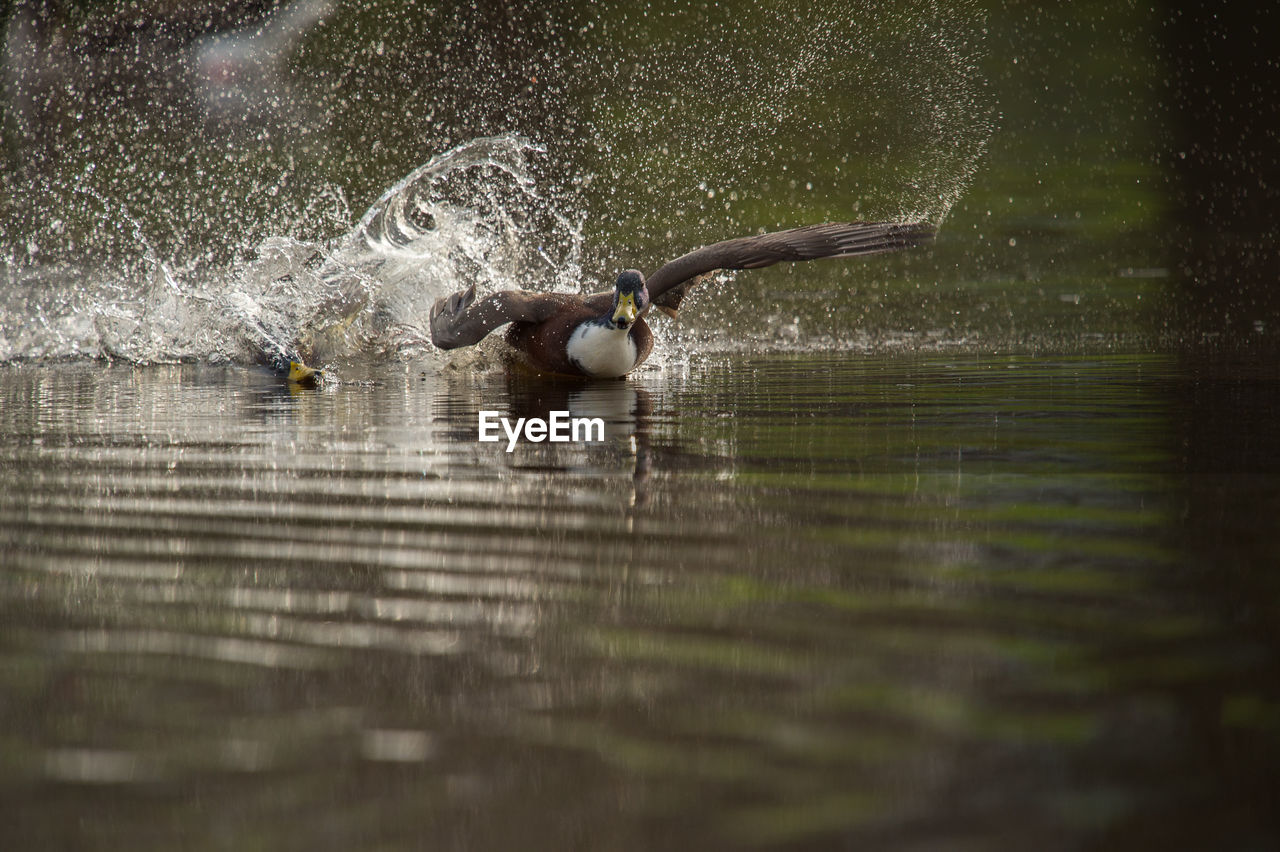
(625, 407)
(605, 335)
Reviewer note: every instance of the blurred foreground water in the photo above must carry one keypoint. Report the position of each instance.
(909, 602)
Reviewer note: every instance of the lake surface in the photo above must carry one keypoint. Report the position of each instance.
(810, 601)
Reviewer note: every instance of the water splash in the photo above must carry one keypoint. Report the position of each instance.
(714, 124)
(473, 215)
(661, 129)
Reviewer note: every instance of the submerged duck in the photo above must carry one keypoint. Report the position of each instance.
(605, 335)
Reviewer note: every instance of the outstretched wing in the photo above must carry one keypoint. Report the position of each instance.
(459, 320)
(669, 284)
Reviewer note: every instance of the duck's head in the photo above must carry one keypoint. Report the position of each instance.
(630, 299)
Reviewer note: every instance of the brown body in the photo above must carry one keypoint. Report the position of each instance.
(545, 344)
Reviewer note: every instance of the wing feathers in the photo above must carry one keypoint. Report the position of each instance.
(838, 239)
(459, 320)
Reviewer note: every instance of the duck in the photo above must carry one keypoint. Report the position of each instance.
(605, 335)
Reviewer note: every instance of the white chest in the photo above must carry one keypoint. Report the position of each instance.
(602, 352)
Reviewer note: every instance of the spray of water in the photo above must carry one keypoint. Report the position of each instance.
(473, 215)
(660, 129)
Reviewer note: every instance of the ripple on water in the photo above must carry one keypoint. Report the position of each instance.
(947, 603)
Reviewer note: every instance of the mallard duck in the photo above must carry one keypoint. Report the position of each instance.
(605, 335)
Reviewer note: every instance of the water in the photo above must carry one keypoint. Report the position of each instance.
(910, 602)
(966, 547)
(217, 216)
(471, 215)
